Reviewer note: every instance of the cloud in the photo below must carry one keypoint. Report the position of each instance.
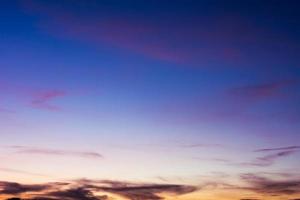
(75, 194)
(260, 161)
(174, 38)
(87, 190)
(13, 188)
(10, 170)
(268, 186)
(289, 148)
(56, 152)
(262, 91)
(39, 98)
(250, 199)
(201, 145)
(269, 159)
(42, 99)
(149, 192)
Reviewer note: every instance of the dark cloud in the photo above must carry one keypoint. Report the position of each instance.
(16, 188)
(57, 152)
(268, 186)
(140, 191)
(289, 148)
(86, 189)
(75, 194)
(149, 192)
(249, 199)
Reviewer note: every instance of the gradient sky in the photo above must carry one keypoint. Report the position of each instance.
(149, 100)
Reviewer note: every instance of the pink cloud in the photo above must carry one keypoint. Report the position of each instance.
(267, 90)
(238, 105)
(167, 41)
(42, 99)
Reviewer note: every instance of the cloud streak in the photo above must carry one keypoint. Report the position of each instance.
(10, 170)
(272, 156)
(56, 152)
(190, 41)
(269, 159)
(289, 148)
(42, 99)
(265, 90)
(38, 98)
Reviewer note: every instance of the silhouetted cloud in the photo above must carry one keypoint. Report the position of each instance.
(249, 199)
(268, 186)
(75, 194)
(16, 188)
(149, 192)
(87, 189)
(56, 152)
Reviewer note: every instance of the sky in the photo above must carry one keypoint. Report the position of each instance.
(149, 100)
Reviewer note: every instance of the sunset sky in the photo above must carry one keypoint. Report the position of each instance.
(150, 99)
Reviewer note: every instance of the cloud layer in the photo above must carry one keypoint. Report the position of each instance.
(87, 189)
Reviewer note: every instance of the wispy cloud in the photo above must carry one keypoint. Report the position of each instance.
(170, 39)
(201, 145)
(269, 159)
(272, 155)
(289, 148)
(17, 171)
(264, 90)
(39, 98)
(42, 99)
(56, 152)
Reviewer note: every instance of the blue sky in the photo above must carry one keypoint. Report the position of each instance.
(151, 91)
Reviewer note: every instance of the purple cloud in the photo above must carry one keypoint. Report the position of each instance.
(42, 99)
(268, 160)
(267, 186)
(189, 42)
(289, 148)
(262, 91)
